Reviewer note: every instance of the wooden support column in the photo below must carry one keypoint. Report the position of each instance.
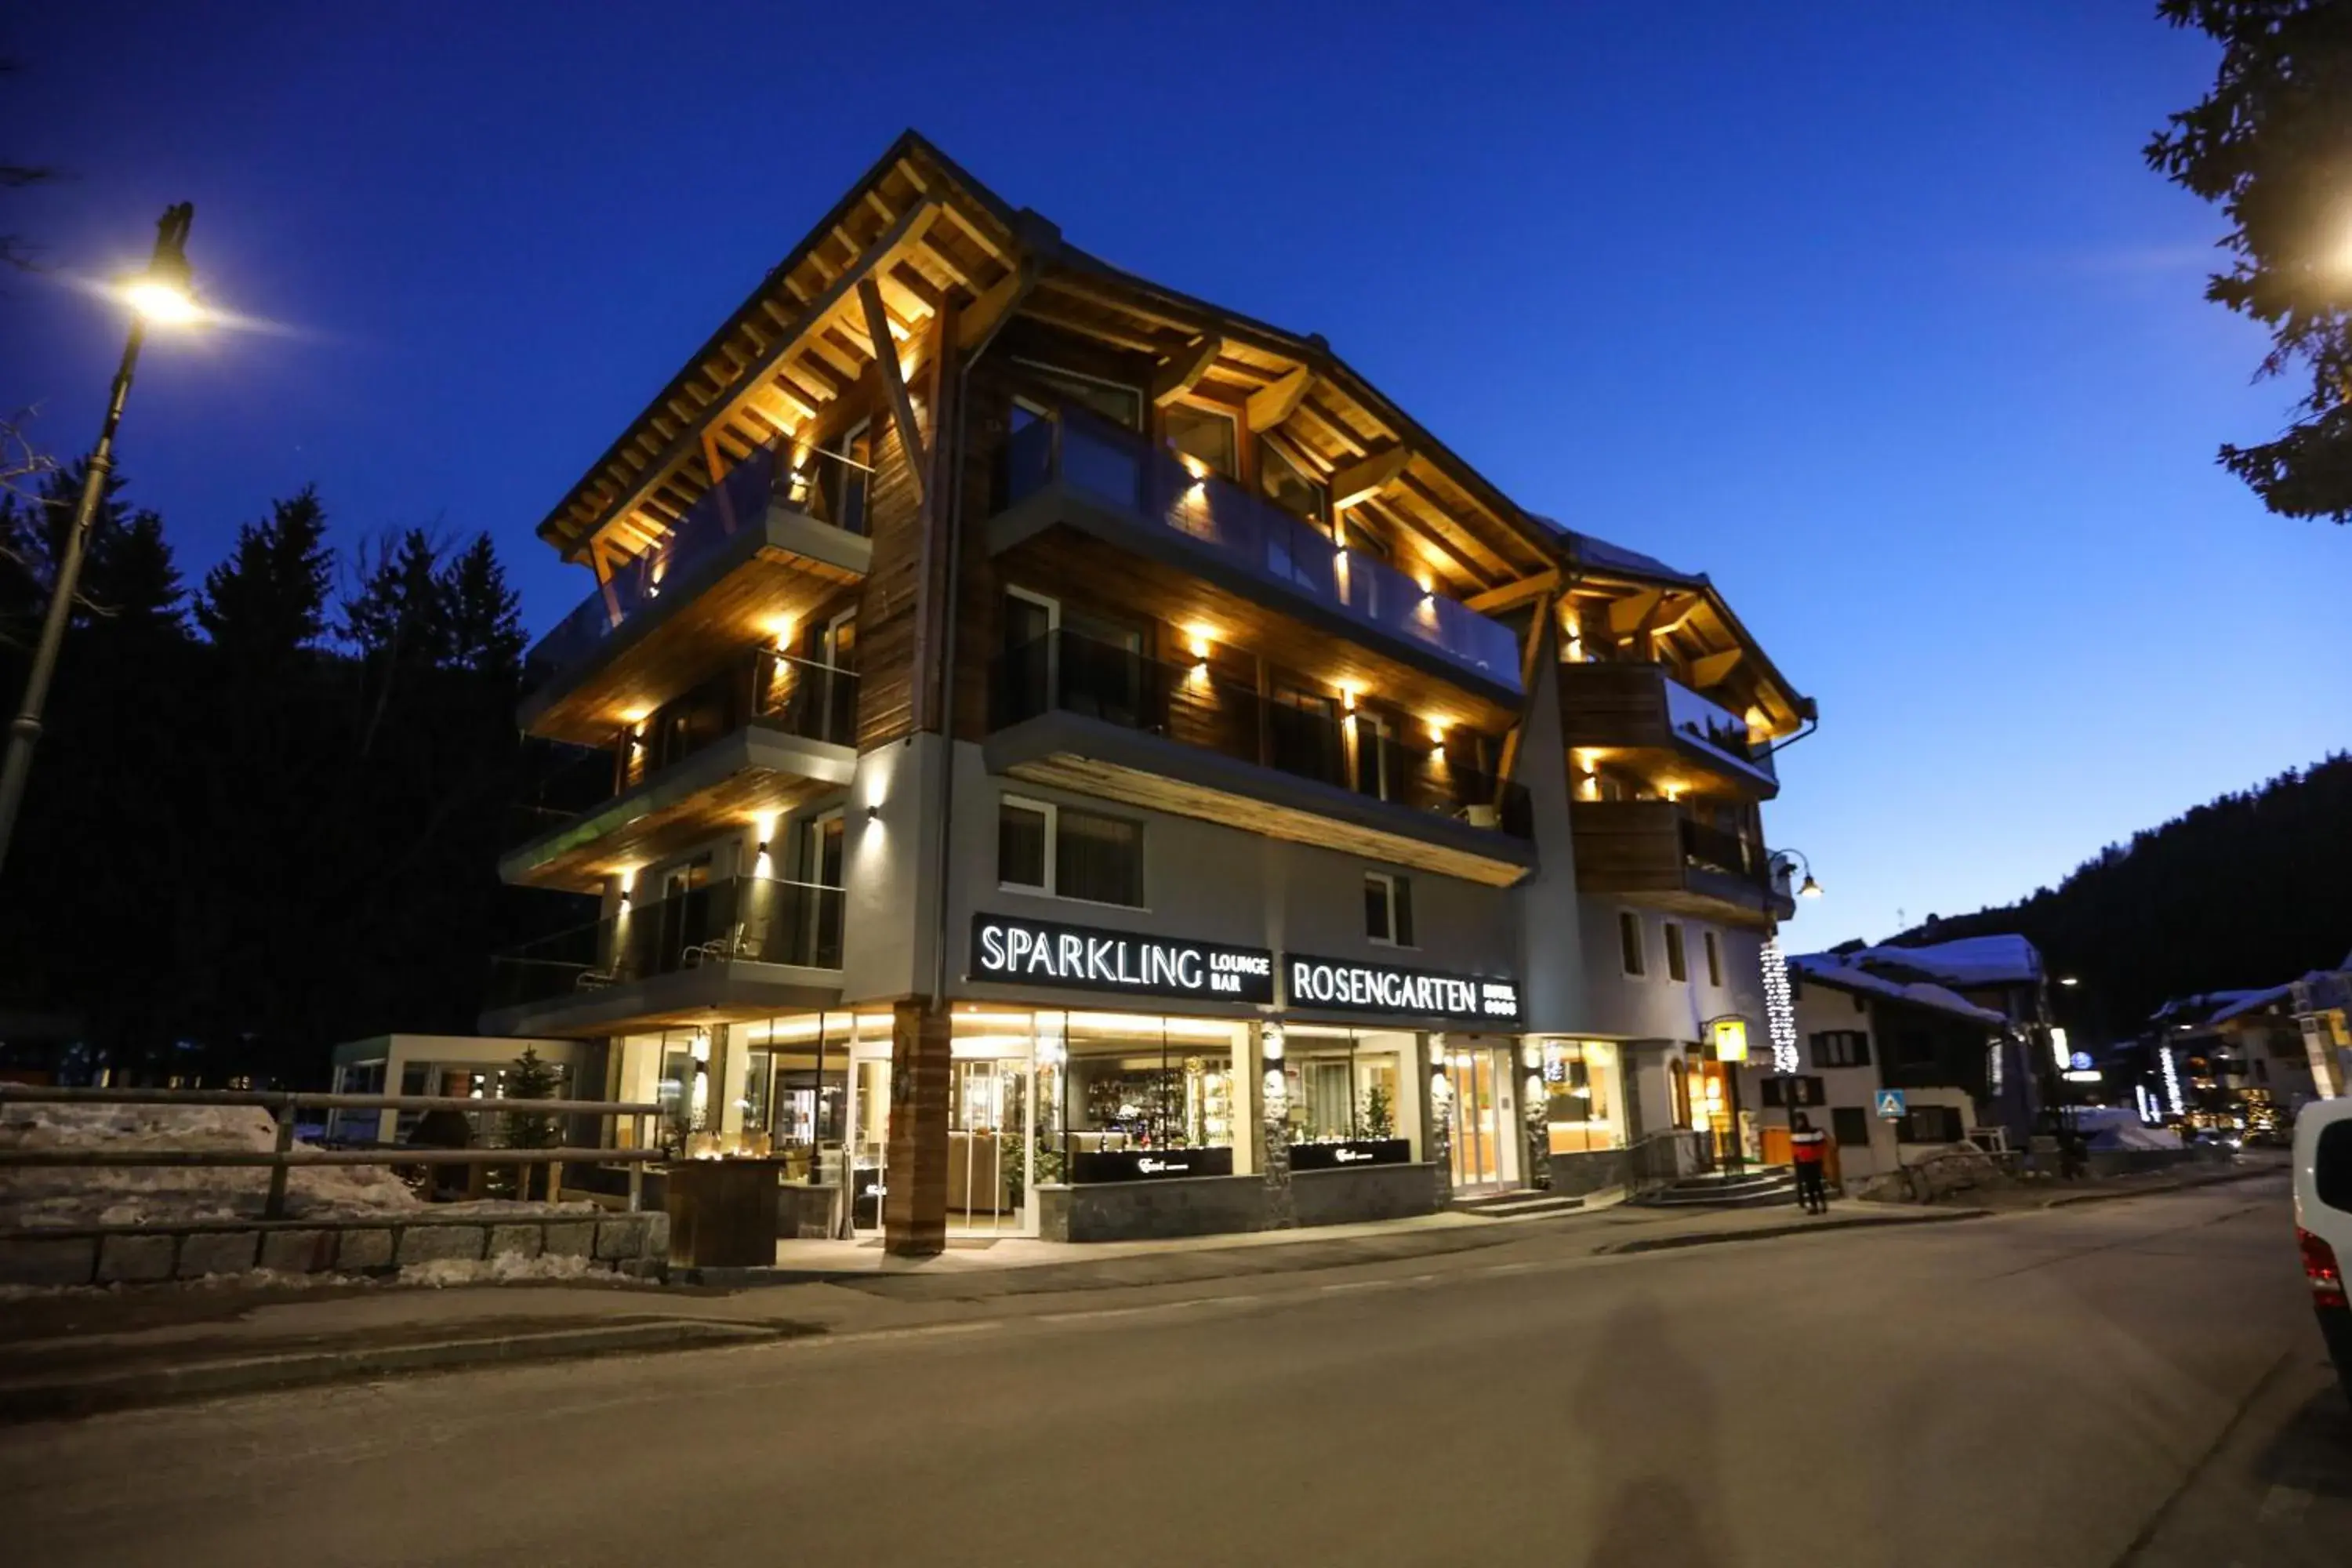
(915, 1200)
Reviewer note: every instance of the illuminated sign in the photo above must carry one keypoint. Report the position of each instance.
(1040, 952)
(1729, 1037)
(1338, 984)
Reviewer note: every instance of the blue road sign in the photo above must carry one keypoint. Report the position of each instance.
(1890, 1104)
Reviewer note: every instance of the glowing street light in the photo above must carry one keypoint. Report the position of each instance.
(163, 295)
(1808, 888)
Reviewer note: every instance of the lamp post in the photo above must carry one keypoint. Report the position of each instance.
(162, 294)
(1792, 858)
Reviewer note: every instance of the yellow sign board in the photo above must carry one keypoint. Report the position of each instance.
(1730, 1039)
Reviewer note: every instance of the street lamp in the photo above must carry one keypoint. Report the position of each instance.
(163, 295)
(1809, 888)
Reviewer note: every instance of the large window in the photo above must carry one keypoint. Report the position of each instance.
(1342, 1084)
(1629, 944)
(1388, 909)
(1205, 436)
(1930, 1124)
(1581, 1091)
(1677, 962)
(1068, 853)
(1121, 404)
(1290, 487)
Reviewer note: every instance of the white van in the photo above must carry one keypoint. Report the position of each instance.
(2322, 1220)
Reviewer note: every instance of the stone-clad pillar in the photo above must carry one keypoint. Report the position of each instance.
(1273, 1105)
(915, 1197)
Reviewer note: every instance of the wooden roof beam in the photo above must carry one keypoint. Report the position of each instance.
(894, 385)
(981, 316)
(1363, 480)
(1510, 595)
(1442, 512)
(1183, 371)
(1712, 669)
(1270, 406)
(661, 460)
(1626, 616)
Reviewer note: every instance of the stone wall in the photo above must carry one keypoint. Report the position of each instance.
(631, 1243)
(1218, 1206)
(1577, 1174)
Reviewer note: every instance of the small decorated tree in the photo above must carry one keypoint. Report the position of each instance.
(531, 1079)
(1380, 1116)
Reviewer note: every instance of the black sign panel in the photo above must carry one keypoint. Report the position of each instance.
(1346, 986)
(1149, 1164)
(1015, 951)
(1350, 1154)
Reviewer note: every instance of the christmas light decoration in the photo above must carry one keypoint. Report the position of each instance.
(2171, 1079)
(1780, 1015)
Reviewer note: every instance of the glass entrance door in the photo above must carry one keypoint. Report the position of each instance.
(866, 1149)
(989, 1140)
(1480, 1123)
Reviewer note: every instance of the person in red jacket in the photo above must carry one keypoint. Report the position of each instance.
(1809, 1148)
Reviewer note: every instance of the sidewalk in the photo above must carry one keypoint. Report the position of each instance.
(80, 1352)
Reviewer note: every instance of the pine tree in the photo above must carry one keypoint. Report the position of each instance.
(398, 616)
(531, 1079)
(268, 601)
(484, 617)
(131, 581)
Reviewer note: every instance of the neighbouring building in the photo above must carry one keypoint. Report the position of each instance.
(2321, 1003)
(1867, 1023)
(453, 1066)
(1057, 756)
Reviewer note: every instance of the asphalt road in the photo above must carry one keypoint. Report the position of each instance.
(2128, 1383)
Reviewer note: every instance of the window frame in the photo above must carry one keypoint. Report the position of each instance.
(1853, 1048)
(1677, 952)
(1396, 900)
(1714, 949)
(1633, 955)
(1052, 887)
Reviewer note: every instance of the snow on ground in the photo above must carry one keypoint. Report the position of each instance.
(510, 1267)
(135, 1194)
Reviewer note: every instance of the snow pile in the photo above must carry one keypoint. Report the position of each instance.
(137, 1195)
(506, 1269)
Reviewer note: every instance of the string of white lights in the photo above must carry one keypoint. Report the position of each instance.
(1779, 1014)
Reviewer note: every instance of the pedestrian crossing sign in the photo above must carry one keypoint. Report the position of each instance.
(1890, 1104)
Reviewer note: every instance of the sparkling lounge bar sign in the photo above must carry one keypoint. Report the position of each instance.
(1040, 953)
(1344, 986)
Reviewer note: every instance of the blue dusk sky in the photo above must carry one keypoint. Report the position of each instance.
(1871, 311)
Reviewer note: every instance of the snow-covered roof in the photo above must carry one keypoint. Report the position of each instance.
(2005, 959)
(1833, 969)
(1592, 551)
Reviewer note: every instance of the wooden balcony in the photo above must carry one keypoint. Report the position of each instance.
(1648, 851)
(745, 560)
(1104, 721)
(1641, 717)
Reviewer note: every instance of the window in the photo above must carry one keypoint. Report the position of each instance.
(1677, 966)
(1099, 859)
(1793, 1093)
(1930, 1124)
(1068, 853)
(1388, 909)
(1206, 435)
(1022, 830)
(2331, 1165)
(1289, 487)
(1849, 1127)
(1122, 405)
(1841, 1048)
(1714, 959)
(1629, 943)
(1378, 761)
(1678, 1103)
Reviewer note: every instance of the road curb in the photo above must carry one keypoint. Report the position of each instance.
(1774, 1232)
(129, 1388)
(2069, 1200)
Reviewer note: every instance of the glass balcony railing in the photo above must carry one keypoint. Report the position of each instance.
(744, 919)
(739, 501)
(1277, 548)
(1714, 728)
(775, 690)
(1067, 673)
